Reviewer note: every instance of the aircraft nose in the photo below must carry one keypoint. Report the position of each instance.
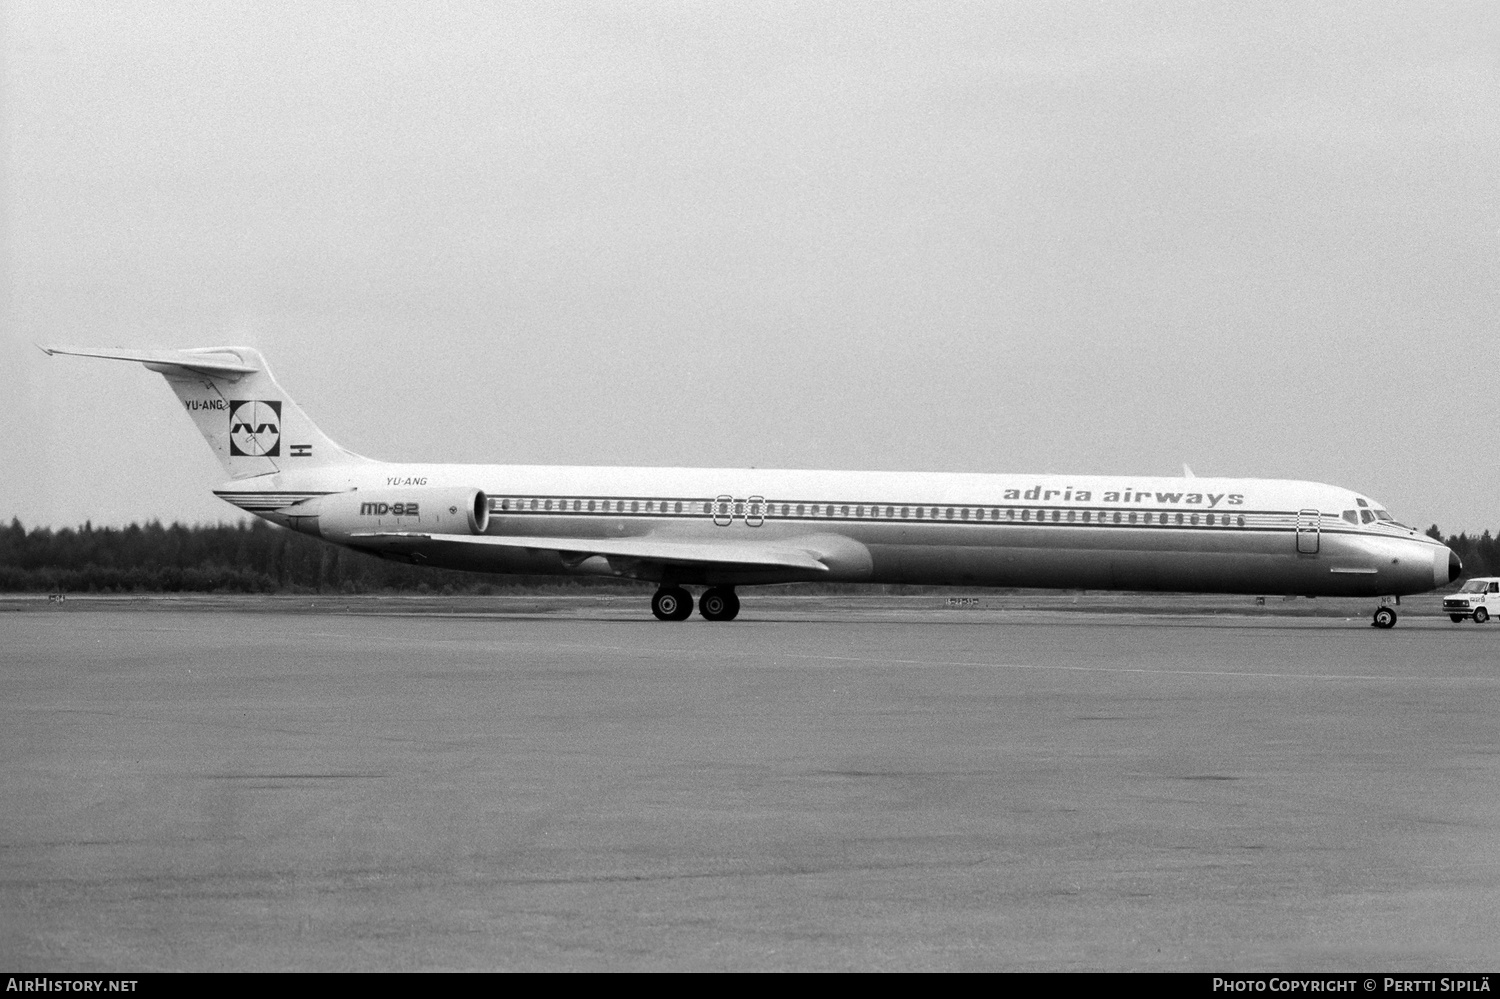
(1455, 565)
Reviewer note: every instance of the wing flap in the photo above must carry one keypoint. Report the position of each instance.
(647, 549)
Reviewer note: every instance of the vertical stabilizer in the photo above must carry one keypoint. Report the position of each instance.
(252, 425)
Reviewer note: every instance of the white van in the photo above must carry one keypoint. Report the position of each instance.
(1478, 598)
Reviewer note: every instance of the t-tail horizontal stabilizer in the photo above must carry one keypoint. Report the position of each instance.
(252, 425)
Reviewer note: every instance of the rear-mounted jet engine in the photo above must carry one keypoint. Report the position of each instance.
(421, 510)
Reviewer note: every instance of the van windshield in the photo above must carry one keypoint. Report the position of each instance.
(1473, 586)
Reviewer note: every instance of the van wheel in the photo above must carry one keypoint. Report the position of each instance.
(1481, 615)
(1455, 618)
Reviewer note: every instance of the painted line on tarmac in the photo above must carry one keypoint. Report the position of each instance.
(637, 651)
(1118, 669)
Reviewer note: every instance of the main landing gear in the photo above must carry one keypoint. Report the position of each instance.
(673, 603)
(719, 603)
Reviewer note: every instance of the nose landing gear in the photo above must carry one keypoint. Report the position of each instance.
(1385, 617)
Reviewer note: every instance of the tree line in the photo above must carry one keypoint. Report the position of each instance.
(257, 557)
(1480, 552)
(248, 557)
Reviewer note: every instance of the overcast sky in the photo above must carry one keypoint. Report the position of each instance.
(1262, 239)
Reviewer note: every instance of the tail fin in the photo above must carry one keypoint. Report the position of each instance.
(252, 425)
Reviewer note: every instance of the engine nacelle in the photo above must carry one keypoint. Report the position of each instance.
(432, 510)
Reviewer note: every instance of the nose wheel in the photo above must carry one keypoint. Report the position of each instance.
(1385, 617)
(672, 603)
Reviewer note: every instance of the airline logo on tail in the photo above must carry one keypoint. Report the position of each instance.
(254, 428)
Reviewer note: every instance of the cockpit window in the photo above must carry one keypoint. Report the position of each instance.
(1367, 516)
(1351, 516)
(1473, 586)
(1361, 502)
(1382, 515)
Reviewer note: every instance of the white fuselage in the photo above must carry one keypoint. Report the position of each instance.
(1177, 534)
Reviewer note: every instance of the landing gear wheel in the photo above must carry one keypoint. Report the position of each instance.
(1481, 615)
(719, 604)
(1385, 617)
(672, 603)
(1455, 618)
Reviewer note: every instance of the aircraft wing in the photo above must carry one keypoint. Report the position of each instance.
(647, 549)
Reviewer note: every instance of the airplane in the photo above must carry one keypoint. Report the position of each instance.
(722, 528)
